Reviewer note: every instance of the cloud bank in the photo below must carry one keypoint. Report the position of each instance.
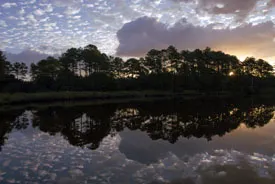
(141, 35)
(26, 56)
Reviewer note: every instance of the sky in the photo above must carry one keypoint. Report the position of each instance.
(129, 28)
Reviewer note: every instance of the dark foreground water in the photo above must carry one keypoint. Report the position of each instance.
(203, 141)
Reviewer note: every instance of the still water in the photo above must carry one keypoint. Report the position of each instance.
(204, 141)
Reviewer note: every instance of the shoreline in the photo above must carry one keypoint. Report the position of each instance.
(44, 98)
(18, 101)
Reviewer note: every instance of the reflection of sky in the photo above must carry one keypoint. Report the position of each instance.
(132, 157)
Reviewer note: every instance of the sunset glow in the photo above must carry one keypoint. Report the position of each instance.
(242, 57)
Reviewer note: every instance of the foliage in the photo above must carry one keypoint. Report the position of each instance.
(2, 65)
(19, 70)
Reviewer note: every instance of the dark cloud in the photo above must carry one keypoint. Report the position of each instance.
(139, 36)
(240, 8)
(26, 56)
(272, 3)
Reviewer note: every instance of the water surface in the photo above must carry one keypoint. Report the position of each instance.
(200, 141)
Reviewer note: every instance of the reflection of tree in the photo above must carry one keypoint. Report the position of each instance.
(9, 121)
(193, 119)
(171, 127)
(53, 120)
(258, 116)
(87, 126)
(80, 126)
(90, 128)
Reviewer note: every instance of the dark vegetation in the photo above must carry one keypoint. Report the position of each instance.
(29, 99)
(87, 69)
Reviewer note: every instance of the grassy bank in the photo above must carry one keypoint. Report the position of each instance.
(12, 101)
(50, 97)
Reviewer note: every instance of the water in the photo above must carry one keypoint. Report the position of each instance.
(204, 141)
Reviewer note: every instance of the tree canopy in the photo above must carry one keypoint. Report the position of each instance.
(167, 69)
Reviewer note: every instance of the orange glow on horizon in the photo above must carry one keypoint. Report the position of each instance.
(243, 54)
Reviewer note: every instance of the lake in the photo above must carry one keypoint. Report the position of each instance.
(202, 141)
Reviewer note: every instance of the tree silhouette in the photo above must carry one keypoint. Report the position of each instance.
(70, 61)
(153, 61)
(19, 70)
(3, 65)
(117, 67)
(133, 67)
(84, 69)
(49, 67)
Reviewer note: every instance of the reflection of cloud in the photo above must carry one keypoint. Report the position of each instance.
(179, 168)
(50, 157)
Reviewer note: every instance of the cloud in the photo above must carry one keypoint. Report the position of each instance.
(72, 11)
(76, 17)
(9, 5)
(49, 8)
(50, 26)
(3, 23)
(32, 1)
(22, 23)
(29, 2)
(21, 11)
(66, 3)
(12, 18)
(46, 19)
(31, 19)
(39, 12)
(89, 5)
(240, 8)
(139, 36)
(27, 56)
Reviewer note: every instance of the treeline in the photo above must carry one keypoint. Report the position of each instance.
(88, 69)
